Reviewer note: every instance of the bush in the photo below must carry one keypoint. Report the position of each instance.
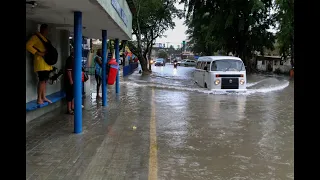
(278, 71)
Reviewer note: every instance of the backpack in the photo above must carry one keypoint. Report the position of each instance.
(51, 55)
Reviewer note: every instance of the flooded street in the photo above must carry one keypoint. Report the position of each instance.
(164, 127)
(204, 135)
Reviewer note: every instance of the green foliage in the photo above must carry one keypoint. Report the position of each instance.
(285, 35)
(277, 71)
(237, 26)
(162, 54)
(151, 20)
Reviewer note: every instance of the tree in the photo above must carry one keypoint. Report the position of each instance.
(162, 54)
(151, 20)
(237, 26)
(285, 35)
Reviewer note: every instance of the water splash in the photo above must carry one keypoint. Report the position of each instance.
(270, 88)
(254, 83)
(141, 83)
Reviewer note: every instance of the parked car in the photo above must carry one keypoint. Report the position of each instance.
(160, 62)
(190, 63)
(180, 63)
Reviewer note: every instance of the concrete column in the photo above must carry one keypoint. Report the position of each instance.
(104, 63)
(117, 59)
(77, 70)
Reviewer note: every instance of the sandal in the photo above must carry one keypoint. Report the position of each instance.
(81, 106)
(70, 112)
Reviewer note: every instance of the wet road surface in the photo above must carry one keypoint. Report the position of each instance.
(164, 126)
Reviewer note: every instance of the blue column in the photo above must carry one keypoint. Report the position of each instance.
(117, 59)
(77, 69)
(104, 63)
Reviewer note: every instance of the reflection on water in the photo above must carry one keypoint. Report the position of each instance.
(205, 135)
(177, 129)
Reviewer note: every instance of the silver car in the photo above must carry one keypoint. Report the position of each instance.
(189, 63)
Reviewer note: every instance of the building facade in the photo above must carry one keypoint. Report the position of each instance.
(273, 64)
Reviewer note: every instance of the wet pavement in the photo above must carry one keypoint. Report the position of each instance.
(164, 126)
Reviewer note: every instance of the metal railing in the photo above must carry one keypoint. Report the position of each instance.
(89, 70)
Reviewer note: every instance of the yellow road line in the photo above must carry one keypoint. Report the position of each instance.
(153, 152)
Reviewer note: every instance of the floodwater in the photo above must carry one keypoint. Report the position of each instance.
(221, 136)
(164, 127)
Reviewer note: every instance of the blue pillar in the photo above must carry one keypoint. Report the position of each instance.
(104, 63)
(77, 83)
(117, 59)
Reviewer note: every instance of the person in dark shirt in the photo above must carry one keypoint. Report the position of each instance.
(98, 70)
(69, 83)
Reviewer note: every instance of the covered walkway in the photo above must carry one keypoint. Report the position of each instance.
(99, 19)
(108, 148)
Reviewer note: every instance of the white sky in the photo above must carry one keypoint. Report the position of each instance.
(178, 34)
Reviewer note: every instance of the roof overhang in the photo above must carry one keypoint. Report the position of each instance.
(97, 15)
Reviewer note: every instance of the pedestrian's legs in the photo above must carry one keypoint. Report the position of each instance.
(98, 80)
(39, 100)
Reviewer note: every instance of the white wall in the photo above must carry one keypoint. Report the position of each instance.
(260, 66)
(285, 68)
(60, 40)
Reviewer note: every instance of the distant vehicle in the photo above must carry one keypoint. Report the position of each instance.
(159, 62)
(187, 55)
(190, 63)
(175, 64)
(221, 72)
(180, 63)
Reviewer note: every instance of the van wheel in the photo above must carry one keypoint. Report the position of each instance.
(205, 85)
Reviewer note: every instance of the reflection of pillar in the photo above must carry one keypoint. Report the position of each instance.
(77, 84)
(117, 59)
(104, 63)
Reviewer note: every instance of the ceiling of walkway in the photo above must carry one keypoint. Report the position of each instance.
(61, 13)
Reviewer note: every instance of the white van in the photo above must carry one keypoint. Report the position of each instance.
(221, 72)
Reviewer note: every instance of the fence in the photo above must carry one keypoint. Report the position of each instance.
(90, 70)
(129, 69)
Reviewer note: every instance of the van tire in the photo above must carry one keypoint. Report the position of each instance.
(205, 85)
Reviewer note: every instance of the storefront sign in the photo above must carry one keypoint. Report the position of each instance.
(120, 11)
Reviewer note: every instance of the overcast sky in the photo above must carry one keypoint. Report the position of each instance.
(178, 34)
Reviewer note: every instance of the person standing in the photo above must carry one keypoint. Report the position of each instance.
(68, 83)
(37, 48)
(98, 70)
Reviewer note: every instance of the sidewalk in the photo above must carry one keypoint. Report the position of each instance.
(108, 148)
